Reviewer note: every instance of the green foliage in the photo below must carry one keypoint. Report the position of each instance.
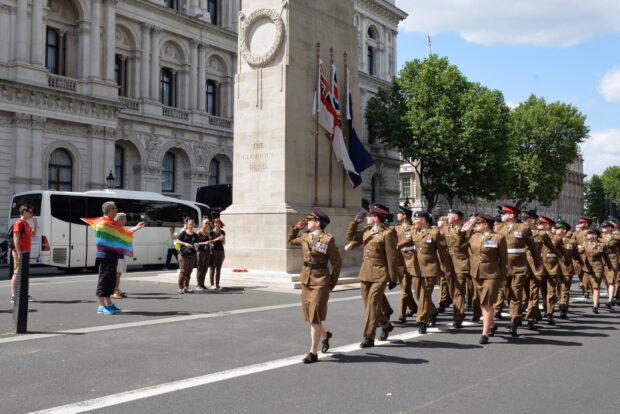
(451, 130)
(545, 141)
(596, 207)
(611, 185)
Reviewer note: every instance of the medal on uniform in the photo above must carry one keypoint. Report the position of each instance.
(518, 235)
(429, 239)
(491, 244)
(319, 247)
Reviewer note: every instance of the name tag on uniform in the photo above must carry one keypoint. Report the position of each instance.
(319, 247)
(429, 239)
(570, 247)
(601, 249)
(491, 244)
(518, 235)
(406, 234)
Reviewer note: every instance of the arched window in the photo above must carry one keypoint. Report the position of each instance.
(212, 8)
(119, 166)
(55, 51)
(168, 166)
(60, 172)
(214, 172)
(372, 32)
(211, 97)
(371, 61)
(166, 87)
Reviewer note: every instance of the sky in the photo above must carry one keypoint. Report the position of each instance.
(561, 50)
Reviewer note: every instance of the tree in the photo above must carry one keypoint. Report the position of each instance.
(452, 131)
(611, 185)
(545, 141)
(595, 198)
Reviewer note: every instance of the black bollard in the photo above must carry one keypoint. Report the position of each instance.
(20, 309)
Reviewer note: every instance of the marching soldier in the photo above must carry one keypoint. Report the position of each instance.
(581, 236)
(613, 244)
(432, 259)
(552, 254)
(562, 229)
(595, 258)
(379, 267)
(446, 286)
(489, 262)
(517, 236)
(457, 242)
(403, 230)
(316, 281)
(616, 234)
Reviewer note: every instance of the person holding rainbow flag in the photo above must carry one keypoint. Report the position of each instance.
(113, 242)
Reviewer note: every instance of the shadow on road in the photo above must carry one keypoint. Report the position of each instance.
(373, 357)
(66, 302)
(534, 339)
(430, 344)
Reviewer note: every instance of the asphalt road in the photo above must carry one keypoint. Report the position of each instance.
(239, 350)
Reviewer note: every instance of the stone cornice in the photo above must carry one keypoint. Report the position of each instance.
(382, 9)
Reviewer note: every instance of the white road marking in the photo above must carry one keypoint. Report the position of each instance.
(155, 390)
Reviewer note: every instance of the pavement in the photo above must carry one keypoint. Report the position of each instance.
(239, 350)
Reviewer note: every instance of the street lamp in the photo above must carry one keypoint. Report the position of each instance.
(110, 180)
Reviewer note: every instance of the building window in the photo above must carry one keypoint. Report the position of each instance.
(168, 167)
(214, 172)
(211, 97)
(372, 32)
(60, 172)
(371, 133)
(212, 8)
(371, 61)
(55, 51)
(373, 190)
(171, 4)
(120, 74)
(119, 166)
(406, 188)
(166, 87)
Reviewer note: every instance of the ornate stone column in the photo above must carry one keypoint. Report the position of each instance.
(84, 49)
(146, 60)
(110, 39)
(155, 63)
(193, 75)
(5, 21)
(36, 33)
(95, 40)
(21, 31)
(202, 80)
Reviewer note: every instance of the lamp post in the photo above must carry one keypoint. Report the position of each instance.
(110, 180)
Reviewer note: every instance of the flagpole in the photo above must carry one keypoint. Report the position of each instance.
(316, 128)
(331, 152)
(346, 111)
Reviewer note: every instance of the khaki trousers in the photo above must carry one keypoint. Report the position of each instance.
(406, 295)
(384, 304)
(515, 294)
(458, 296)
(564, 288)
(533, 312)
(423, 287)
(550, 284)
(371, 295)
(501, 297)
(445, 290)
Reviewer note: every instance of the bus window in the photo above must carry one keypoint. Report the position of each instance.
(157, 213)
(204, 211)
(59, 206)
(32, 199)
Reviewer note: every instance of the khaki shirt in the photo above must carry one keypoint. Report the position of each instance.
(380, 263)
(518, 237)
(402, 232)
(430, 250)
(612, 242)
(596, 258)
(457, 244)
(552, 254)
(318, 249)
(488, 255)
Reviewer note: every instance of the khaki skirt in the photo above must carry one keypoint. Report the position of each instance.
(314, 302)
(609, 277)
(487, 290)
(592, 280)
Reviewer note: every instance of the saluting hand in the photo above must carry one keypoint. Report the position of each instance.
(301, 224)
(359, 217)
(348, 247)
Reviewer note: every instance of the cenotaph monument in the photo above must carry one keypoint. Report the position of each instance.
(274, 174)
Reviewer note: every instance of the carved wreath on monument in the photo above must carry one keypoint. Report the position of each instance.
(247, 22)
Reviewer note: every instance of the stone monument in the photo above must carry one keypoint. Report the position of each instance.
(274, 138)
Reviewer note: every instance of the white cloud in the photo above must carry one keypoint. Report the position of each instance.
(609, 86)
(602, 150)
(511, 105)
(514, 22)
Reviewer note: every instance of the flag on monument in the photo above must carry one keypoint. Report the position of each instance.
(359, 155)
(340, 148)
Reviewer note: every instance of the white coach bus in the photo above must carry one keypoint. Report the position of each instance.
(65, 241)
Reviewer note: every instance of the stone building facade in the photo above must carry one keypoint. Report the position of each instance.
(144, 89)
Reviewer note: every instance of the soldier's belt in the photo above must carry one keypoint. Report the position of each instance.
(515, 251)
(316, 265)
(579, 246)
(408, 248)
(549, 255)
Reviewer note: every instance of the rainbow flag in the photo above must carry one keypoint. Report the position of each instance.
(110, 236)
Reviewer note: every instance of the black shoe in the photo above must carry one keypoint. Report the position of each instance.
(385, 332)
(498, 316)
(586, 295)
(492, 330)
(325, 347)
(550, 319)
(484, 339)
(531, 325)
(457, 324)
(595, 310)
(441, 308)
(563, 314)
(513, 329)
(475, 318)
(520, 323)
(388, 314)
(310, 358)
(468, 306)
(433, 320)
(402, 319)
(367, 343)
(539, 318)
(410, 314)
(608, 305)
(422, 328)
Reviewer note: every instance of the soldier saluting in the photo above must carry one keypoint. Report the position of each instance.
(316, 281)
(379, 268)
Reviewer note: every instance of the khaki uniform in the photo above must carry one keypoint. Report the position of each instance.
(568, 270)
(612, 243)
(379, 267)
(616, 234)
(432, 259)
(316, 280)
(457, 243)
(581, 238)
(541, 239)
(408, 257)
(595, 259)
(517, 237)
(489, 265)
(551, 256)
